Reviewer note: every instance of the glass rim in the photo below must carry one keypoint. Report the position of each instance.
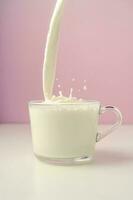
(41, 103)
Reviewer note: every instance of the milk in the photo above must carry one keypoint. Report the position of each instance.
(49, 66)
(62, 127)
(64, 130)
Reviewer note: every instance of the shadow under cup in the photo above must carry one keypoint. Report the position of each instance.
(64, 133)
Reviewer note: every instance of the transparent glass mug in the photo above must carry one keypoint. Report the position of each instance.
(67, 133)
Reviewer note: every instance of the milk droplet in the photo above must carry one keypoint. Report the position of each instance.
(56, 79)
(58, 85)
(84, 81)
(73, 79)
(84, 88)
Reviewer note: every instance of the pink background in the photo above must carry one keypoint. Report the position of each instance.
(96, 44)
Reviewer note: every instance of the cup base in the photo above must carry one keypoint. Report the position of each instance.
(65, 161)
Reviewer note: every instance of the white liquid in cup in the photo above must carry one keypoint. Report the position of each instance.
(64, 130)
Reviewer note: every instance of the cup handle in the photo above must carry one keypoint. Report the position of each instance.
(101, 135)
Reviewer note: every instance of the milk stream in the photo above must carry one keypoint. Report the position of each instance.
(49, 66)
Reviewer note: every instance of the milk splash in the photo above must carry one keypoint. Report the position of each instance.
(70, 98)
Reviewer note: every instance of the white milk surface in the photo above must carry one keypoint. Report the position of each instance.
(64, 130)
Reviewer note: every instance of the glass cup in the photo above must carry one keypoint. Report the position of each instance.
(66, 133)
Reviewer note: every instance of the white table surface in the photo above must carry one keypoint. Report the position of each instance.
(23, 177)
